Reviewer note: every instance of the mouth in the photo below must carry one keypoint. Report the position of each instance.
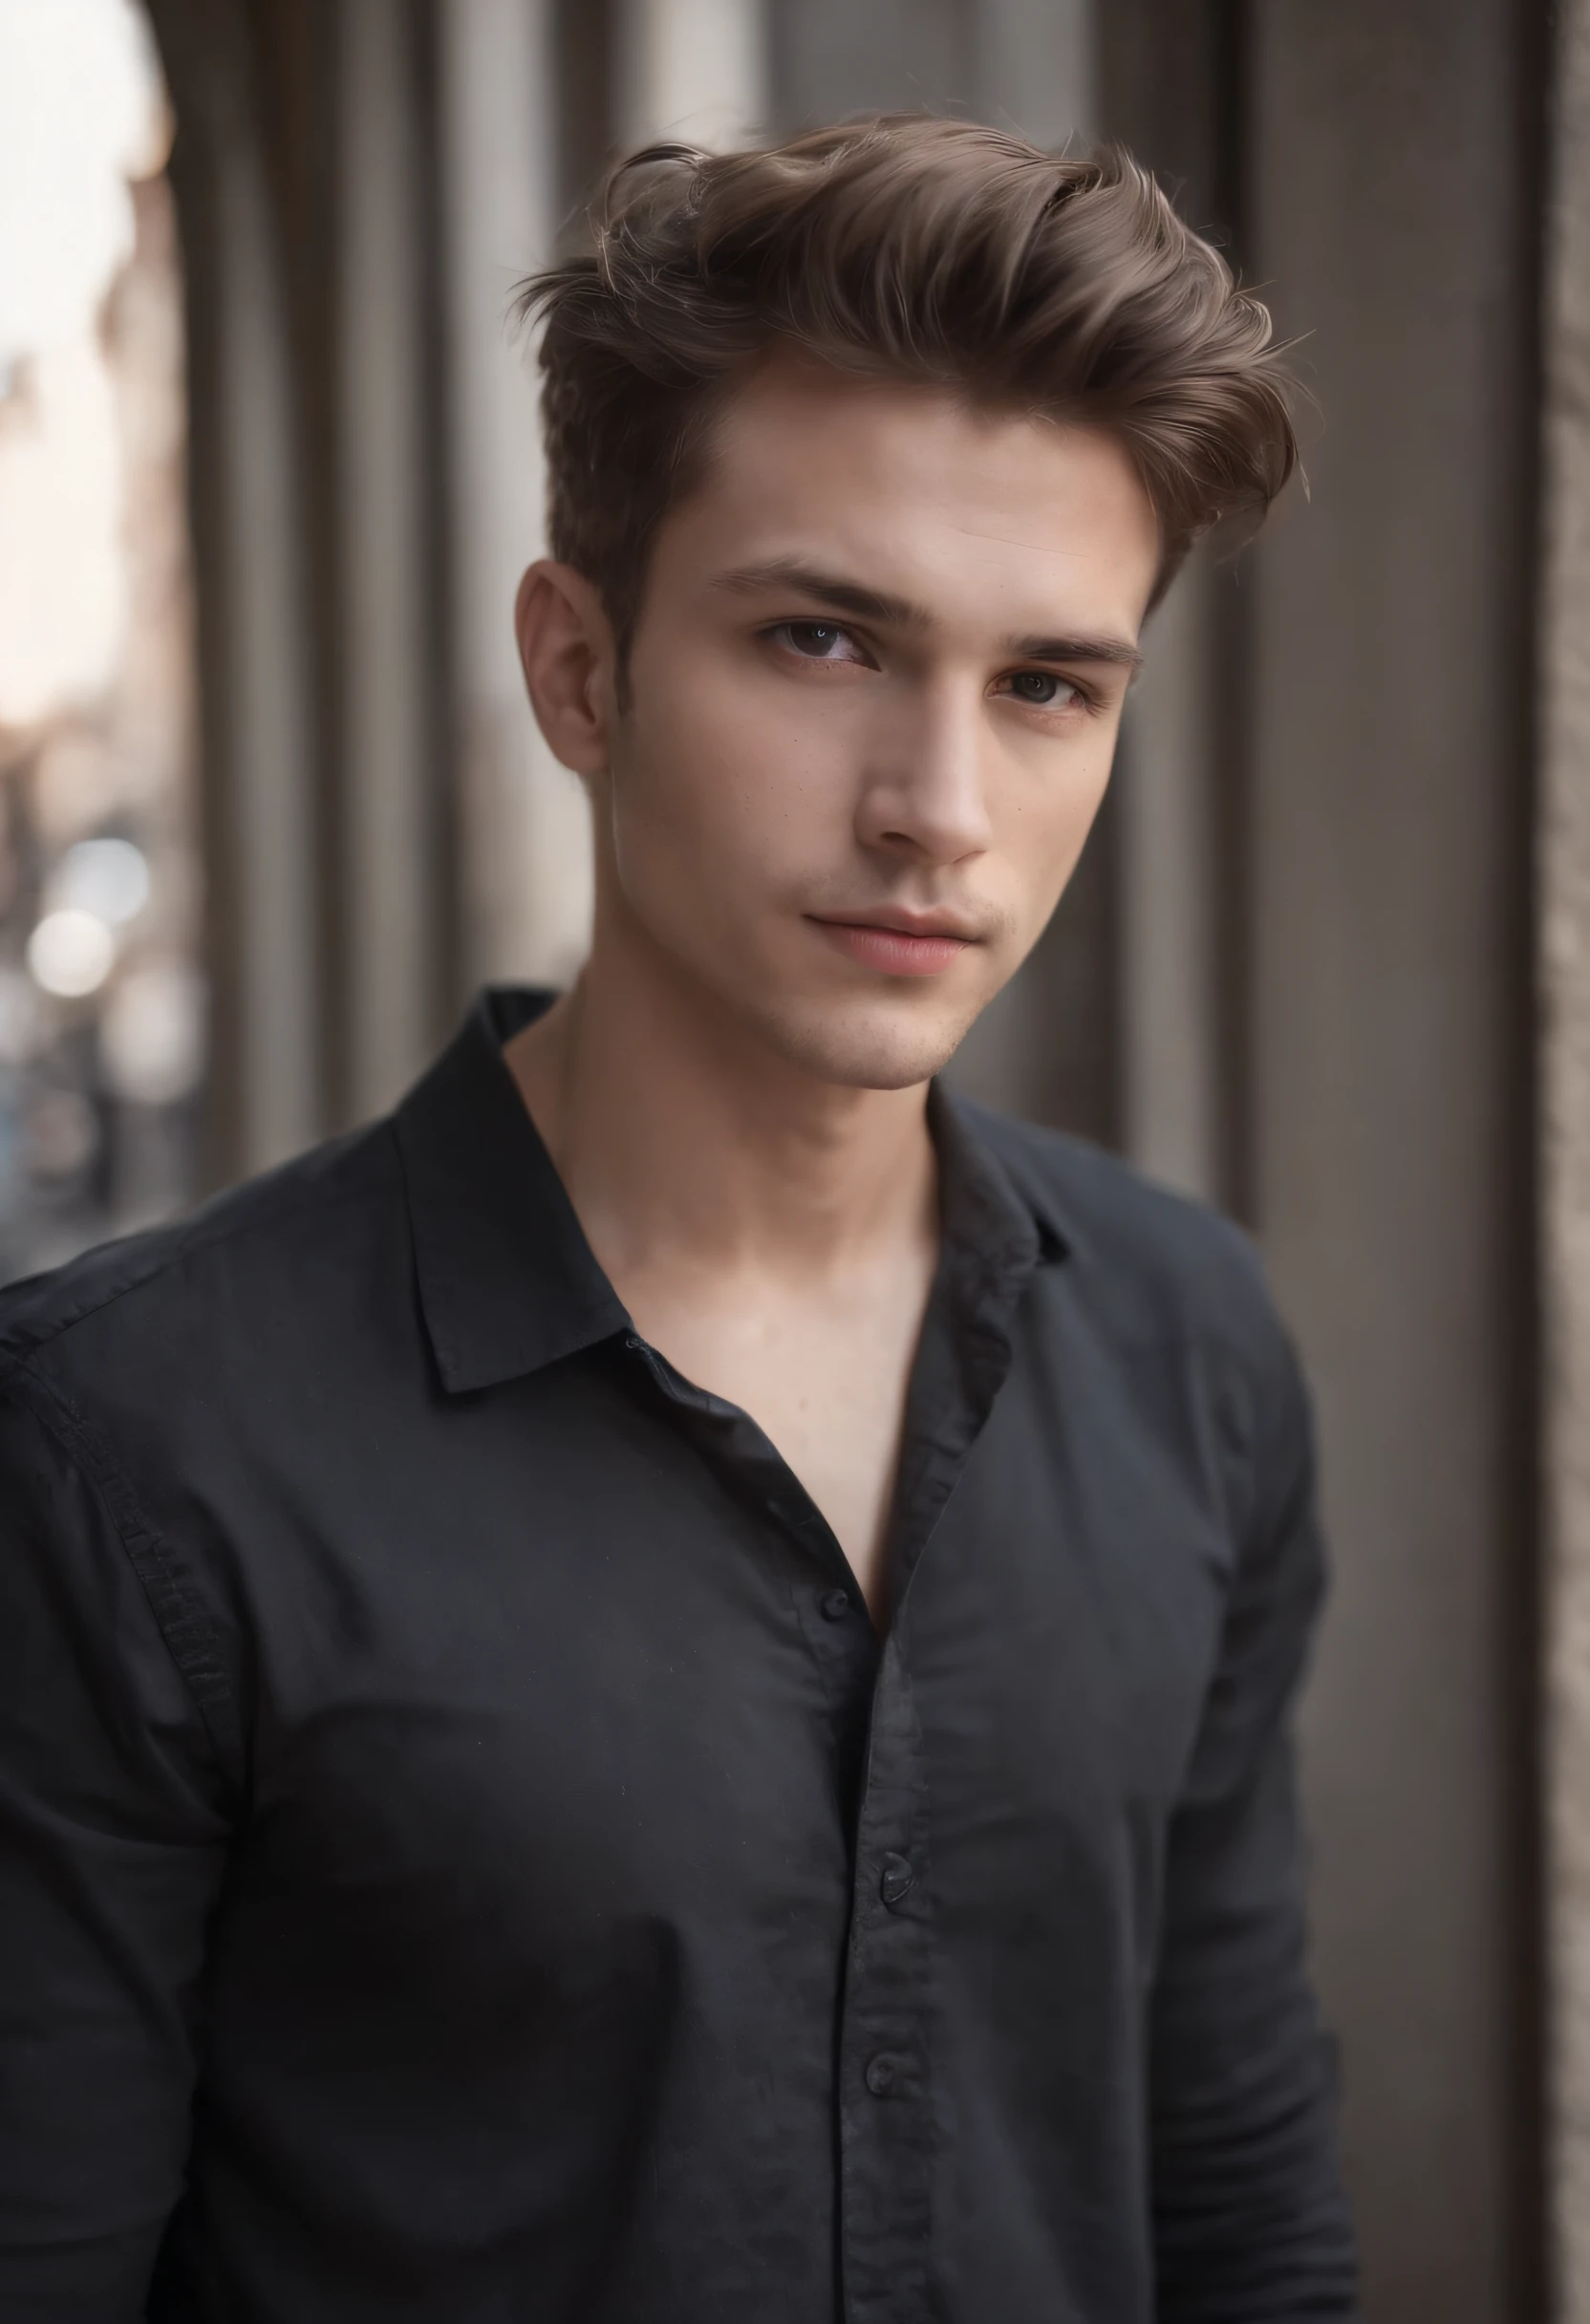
(898, 946)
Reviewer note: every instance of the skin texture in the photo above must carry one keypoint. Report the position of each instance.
(873, 695)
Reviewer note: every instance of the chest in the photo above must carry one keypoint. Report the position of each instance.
(612, 1674)
(823, 1369)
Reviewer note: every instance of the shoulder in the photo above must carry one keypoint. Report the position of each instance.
(1153, 1263)
(173, 1296)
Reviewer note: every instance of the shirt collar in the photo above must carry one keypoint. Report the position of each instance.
(993, 1197)
(508, 1280)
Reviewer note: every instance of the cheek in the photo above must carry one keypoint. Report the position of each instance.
(1047, 820)
(733, 787)
(1086, 793)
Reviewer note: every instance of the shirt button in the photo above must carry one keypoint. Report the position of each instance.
(898, 1874)
(883, 2077)
(836, 1604)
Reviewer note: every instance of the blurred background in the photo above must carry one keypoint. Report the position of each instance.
(271, 806)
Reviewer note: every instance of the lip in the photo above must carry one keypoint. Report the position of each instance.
(899, 944)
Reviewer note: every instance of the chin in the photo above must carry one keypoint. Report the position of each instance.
(860, 1047)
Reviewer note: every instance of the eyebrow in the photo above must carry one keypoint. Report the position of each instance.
(899, 613)
(1119, 651)
(833, 588)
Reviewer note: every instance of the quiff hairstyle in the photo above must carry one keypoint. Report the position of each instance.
(908, 247)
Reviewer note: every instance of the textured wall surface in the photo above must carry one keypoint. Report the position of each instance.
(1390, 985)
(1564, 874)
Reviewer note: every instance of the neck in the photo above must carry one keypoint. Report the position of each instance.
(676, 1129)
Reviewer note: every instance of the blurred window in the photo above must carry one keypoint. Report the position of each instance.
(101, 1003)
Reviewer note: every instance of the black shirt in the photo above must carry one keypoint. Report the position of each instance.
(465, 1856)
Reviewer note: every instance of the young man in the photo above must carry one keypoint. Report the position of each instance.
(658, 1688)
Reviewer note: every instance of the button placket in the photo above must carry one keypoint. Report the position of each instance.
(885, 2105)
(886, 2113)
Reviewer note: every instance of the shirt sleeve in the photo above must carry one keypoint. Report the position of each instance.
(113, 1830)
(1250, 2221)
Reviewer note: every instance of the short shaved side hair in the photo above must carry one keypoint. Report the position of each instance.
(906, 247)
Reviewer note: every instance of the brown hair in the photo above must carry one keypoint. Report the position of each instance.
(916, 247)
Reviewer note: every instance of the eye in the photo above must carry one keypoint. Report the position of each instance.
(817, 640)
(1045, 690)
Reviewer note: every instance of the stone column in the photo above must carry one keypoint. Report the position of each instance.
(264, 954)
(1563, 873)
(524, 838)
(391, 903)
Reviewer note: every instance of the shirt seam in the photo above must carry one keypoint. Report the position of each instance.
(185, 1629)
(197, 1237)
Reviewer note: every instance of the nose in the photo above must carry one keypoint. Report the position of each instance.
(925, 793)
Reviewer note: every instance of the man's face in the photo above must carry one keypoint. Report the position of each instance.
(875, 686)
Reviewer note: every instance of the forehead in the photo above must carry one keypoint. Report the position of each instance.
(1024, 518)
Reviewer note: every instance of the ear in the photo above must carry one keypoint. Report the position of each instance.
(570, 658)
